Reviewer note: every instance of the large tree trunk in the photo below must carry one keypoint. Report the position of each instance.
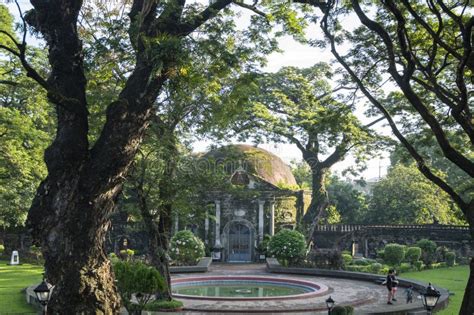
(319, 200)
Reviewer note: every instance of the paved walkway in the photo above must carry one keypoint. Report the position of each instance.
(365, 296)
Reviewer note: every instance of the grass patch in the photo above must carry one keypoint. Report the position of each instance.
(13, 279)
(454, 279)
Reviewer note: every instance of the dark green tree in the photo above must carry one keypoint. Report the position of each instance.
(425, 49)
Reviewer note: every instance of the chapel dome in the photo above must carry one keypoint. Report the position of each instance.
(255, 161)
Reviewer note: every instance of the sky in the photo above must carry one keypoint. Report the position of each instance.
(297, 55)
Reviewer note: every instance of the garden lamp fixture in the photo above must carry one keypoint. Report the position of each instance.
(330, 304)
(43, 293)
(430, 298)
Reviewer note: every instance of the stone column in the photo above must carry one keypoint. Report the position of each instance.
(272, 218)
(206, 228)
(261, 203)
(217, 244)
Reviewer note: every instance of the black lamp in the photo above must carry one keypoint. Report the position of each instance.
(430, 298)
(330, 304)
(43, 293)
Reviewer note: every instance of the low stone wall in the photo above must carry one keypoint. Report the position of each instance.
(370, 238)
(202, 266)
(274, 266)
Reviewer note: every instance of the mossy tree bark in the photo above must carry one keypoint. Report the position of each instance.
(69, 216)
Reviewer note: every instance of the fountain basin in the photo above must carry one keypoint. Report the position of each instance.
(245, 288)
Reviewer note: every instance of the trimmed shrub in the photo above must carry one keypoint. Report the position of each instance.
(361, 262)
(404, 267)
(347, 259)
(186, 248)
(375, 268)
(288, 246)
(418, 265)
(394, 254)
(412, 254)
(450, 258)
(357, 268)
(136, 278)
(161, 305)
(342, 310)
(380, 254)
(428, 251)
(2, 249)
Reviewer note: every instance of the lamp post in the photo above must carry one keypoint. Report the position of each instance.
(330, 304)
(430, 298)
(43, 293)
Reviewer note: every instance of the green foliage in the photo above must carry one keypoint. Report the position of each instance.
(404, 267)
(2, 249)
(136, 278)
(347, 259)
(428, 251)
(350, 203)
(355, 268)
(342, 310)
(362, 262)
(441, 252)
(375, 267)
(127, 254)
(394, 254)
(262, 248)
(418, 265)
(157, 305)
(405, 196)
(287, 246)
(186, 248)
(412, 254)
(450, 259)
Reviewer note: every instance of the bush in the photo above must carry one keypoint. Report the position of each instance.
(375, 268)
(441, 252)
(428, 251)
(186, 249)
(2, 249)
(160, 305)
(418, 265)
(405, 267)
(347, 259)
(380, 254)
(342, 310)
(325, 258)
(412, 254)
(394, 254)
(288, 246)
(139, 279)
(450, 258)
(262, 248)
(127, 254)
(362, 262)
(357, 268)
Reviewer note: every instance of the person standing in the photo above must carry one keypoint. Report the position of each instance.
(390, 284)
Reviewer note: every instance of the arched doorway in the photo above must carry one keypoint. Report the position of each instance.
(239, 243)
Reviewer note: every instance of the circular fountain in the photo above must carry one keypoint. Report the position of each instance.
(245, 288)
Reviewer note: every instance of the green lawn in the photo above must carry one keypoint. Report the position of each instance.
(454, 279)
(13, 279)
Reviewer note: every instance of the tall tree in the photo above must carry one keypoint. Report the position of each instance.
(425, 49)
(301, 107)
(405, 196)
(69, 216)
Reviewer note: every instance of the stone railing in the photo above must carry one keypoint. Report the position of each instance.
(347, 228)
